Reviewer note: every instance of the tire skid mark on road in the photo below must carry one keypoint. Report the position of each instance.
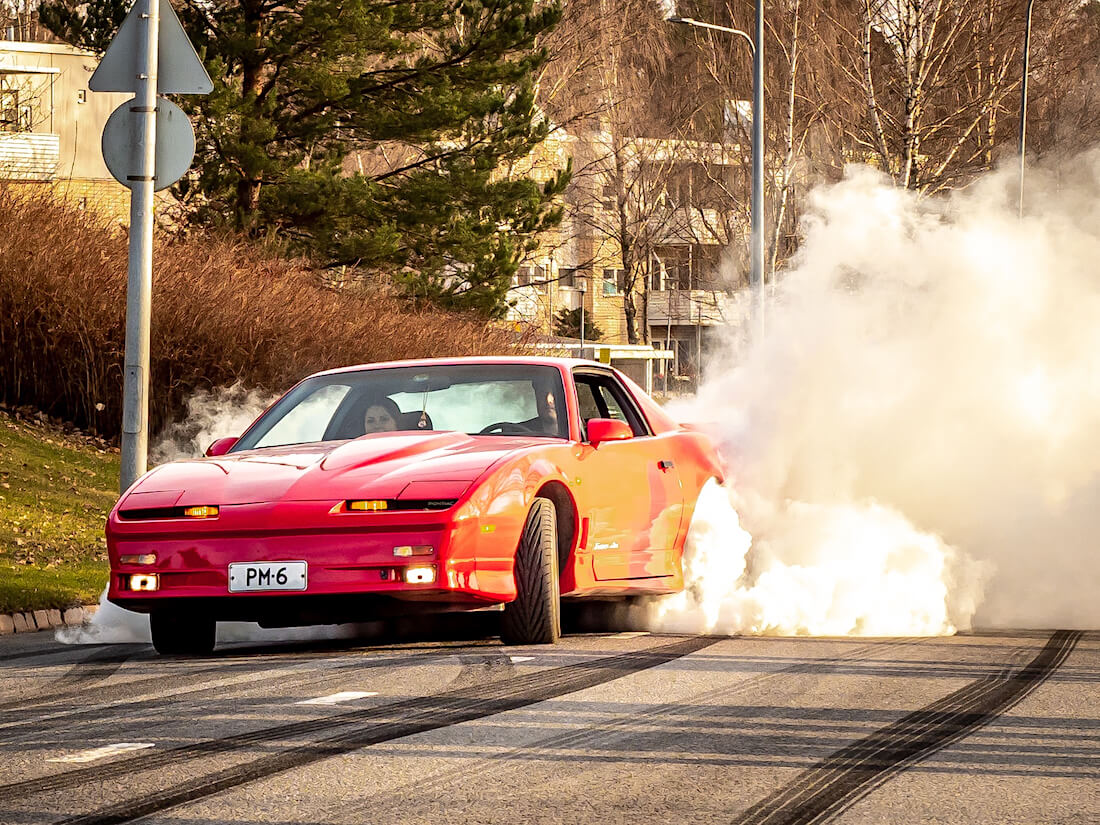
(231, 659)
(361, 727)
(96, 667)
(123, 696)
(841, 779)
(427, 785)
(54, 650)
(406, 719)
(136, 686)
(475, 665)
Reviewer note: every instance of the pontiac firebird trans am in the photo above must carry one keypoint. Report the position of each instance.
(389, 489)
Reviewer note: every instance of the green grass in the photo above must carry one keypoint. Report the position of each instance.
(55, 493)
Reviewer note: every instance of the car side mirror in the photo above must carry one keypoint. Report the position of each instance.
(221, 446)
(607, 429)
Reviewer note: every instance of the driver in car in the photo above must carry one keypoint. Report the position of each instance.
(381, 416)
(547, 419)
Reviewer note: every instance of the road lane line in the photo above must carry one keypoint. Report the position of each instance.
(101, 752)
(629, 634)
(337, 698)
(522, 658)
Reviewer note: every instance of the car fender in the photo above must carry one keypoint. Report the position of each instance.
(489, 523)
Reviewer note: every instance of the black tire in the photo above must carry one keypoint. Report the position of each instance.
(534, 618)
(178, 634)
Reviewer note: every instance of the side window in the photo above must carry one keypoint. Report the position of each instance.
(620, 406)
(589, 406)
(600, 396)
(614, 409)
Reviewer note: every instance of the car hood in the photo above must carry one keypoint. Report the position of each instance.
(381, 465)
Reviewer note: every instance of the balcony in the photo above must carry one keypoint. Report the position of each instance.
(703, 307)
(29, 156)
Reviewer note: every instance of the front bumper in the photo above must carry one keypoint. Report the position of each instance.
(352, 566)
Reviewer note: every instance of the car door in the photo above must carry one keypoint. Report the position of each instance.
(633, 487)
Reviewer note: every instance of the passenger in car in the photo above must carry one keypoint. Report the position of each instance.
(381, 416)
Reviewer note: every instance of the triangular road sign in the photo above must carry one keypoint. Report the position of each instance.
(179, 70)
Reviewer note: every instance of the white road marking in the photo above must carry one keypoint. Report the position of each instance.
(630, 634)
(337, 698)
(102, 752)
(522, 658)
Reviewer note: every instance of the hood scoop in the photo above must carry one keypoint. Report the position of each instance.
(382, 447)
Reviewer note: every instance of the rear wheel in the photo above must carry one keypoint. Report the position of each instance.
(178, 634)
(534, 618)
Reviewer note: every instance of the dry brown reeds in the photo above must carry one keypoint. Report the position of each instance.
(224, 312)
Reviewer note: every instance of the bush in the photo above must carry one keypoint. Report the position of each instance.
(224, 312)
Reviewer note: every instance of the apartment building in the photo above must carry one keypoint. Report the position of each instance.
(670, 199)
(50, 125)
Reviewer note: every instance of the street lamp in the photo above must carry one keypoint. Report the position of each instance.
(1023, 103)
(756, 276)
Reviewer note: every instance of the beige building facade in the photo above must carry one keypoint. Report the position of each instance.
(682, 296)
(50, 125)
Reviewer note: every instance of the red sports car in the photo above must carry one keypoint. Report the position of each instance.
(393, 488)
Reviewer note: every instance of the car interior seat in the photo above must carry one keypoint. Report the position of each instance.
(411, 421)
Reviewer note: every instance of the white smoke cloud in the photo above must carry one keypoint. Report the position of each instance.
(915, 442)
(110, 625)
(222, 412)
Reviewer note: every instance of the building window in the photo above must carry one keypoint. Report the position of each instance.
(686, 266)
(609, 197)
(567, 276)
(534, 276)
(9, 110)
(612, 282)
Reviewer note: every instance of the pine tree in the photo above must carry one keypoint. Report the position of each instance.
(567, 324)
(435, 94)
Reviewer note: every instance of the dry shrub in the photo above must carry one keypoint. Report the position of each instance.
(223, 312)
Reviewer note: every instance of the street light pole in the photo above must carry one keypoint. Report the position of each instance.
(756, 244)
(1023, 103)
(583, 289)
(757, 276)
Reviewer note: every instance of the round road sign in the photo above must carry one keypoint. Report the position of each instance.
(175, 144)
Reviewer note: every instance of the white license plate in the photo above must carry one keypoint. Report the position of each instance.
(246, 577)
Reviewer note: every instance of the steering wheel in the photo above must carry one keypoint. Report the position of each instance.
(506, 428)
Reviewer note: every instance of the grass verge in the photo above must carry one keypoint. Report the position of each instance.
(55, 492)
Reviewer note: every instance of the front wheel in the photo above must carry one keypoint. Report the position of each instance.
(177, 634)
(534, 618)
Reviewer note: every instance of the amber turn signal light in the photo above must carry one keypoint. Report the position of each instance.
(201, 511)
(376, 504)
(144, 558)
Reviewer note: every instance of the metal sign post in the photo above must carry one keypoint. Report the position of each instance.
(139, 283)
(149, 55)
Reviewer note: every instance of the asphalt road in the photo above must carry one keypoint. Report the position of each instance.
(603, 728)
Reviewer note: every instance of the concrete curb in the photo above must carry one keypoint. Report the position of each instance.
(34, 620)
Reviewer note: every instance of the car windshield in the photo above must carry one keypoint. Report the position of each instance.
(488, 399)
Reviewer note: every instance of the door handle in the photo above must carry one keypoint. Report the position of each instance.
(665, 464)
